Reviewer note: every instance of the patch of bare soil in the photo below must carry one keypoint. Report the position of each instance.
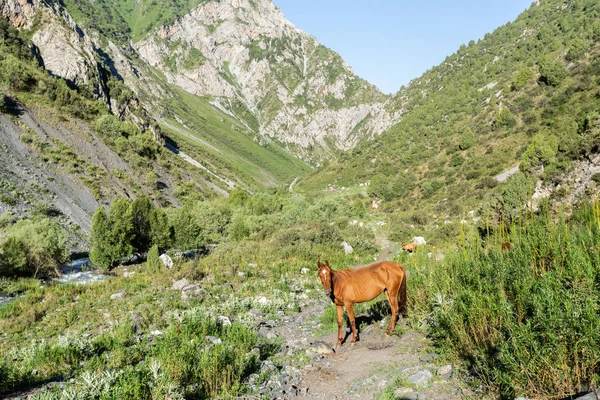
(401, 365)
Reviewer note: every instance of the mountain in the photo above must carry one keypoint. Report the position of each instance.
(198, 98)
(524, 96)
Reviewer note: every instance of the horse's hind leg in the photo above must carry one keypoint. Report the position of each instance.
(392, 297)
(350, 310)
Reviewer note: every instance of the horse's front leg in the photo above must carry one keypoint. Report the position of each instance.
(350, 309)
(340, 321)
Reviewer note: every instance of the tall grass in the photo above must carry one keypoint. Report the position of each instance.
(527, 320)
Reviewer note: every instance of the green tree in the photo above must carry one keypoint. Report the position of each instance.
(524, 76)
(467, 139)
(504, 118)
(141, 209)
(187, 232)
(541, 150)
(515, 195)
(577, 49)
(109, 126)
(552, 71)
(111, 237)
(160, 229)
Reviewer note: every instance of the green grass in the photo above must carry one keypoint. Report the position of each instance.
(526, 320)
(213, 136)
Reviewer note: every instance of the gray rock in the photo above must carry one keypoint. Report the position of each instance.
(166, 260)
(320, 347)
(265, 332)
(180, 284)
(428, 357)
(421, 378)
(223, 320)
(213, 339)
(406, 394)
(208, 278)
(304, 271)
(119, 295)
(445, 372)
(127, 274)
(138, 323)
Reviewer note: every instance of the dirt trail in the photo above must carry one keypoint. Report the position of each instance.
(365, 370)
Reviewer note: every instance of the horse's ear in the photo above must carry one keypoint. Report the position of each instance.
(318, 263)
(327, 263)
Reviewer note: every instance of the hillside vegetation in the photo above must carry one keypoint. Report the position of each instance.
(525, 95)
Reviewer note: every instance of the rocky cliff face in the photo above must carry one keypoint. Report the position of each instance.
(272, 76)
(251, 62)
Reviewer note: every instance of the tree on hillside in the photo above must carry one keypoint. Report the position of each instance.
(552, 72)
(160, 229)
(141, 208)
(541, 150)
(467, 139)
(524, 76)
(111, 236)
(577, 49)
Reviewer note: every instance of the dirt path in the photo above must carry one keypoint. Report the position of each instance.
(400, 364)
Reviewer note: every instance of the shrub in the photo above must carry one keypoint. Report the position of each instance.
(467, 139)
(531, 312)
(153, 259)
(32, 247)
(2, 101)
(577, 49)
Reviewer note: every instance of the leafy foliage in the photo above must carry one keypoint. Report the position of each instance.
(32, 247)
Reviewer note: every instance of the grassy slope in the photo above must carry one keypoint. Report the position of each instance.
(422, 160)
(223, 140)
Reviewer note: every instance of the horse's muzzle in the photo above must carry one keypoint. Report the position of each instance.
(328, 292)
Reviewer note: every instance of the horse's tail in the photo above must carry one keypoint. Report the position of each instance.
(402, 294)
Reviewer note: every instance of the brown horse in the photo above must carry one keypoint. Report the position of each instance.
(357, 286)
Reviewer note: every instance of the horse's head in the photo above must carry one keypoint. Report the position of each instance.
(325, 275)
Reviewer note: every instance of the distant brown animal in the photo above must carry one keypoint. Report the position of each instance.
(410, 247)
(506, 246)
(357, 286)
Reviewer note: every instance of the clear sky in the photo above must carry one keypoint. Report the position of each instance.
(390, 42)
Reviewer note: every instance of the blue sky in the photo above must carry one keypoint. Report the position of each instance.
(390, 42)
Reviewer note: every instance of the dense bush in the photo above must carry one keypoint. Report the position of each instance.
(527, 319)
(34, 247)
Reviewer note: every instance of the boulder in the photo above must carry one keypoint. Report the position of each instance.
(180, 284)
(419, 240)
(166, 260)
(347, 248)
(119, 295)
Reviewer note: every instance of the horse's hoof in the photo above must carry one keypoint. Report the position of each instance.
(387, 333)
(352, 343)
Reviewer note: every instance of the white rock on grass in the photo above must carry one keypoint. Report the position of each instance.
(347, 248)
(180, 284)
(166, 260)
(304, 271)
(445, 372)
(223, 320)
(419, 240)
(119, 295)
(262, 300)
